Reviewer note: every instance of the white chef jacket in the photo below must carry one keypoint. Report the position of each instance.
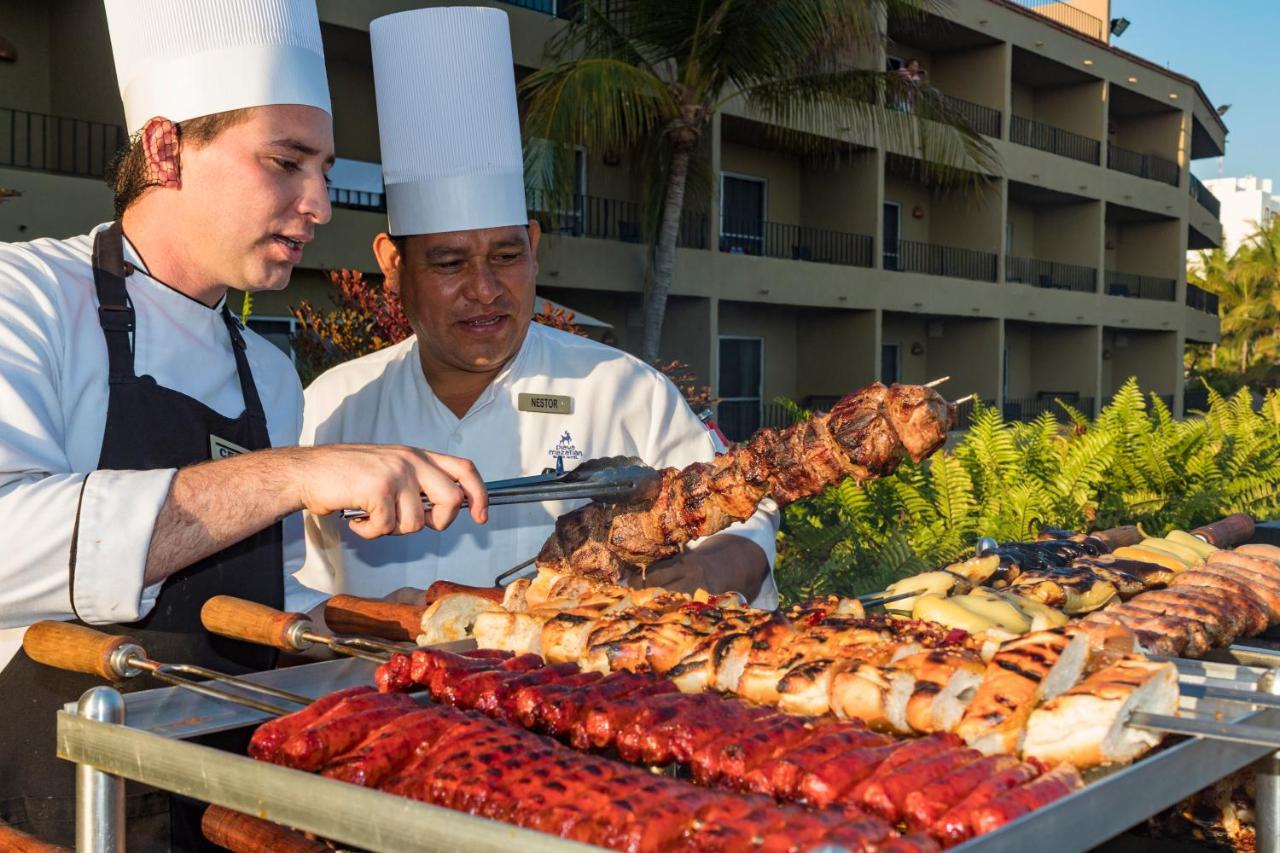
(621, 407)
(53, 409)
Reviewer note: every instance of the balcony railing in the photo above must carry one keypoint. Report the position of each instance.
(1055, 140)
(1050, 274)
(357, 199)
(1067, 15)
(1207, 199)
(67, 146)
(1202, 300)
(911, 256)
(608, 219)
(1147, 166)
(1027, 409)
(1195, 399)
(797, 242)
(1140, 286)
(985, 120)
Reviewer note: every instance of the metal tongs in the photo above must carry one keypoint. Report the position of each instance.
(613, 479)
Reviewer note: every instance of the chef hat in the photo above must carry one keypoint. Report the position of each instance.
(195, 58)
(447, 117)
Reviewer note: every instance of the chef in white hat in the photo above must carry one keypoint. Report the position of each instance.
(478, 379)
(121, 369)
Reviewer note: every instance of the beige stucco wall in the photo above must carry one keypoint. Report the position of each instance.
(51, 205)
(968, 351)
(836, 351)
(1159, 134)
(25, 84)
(1143, 248)
(777, 326)
(1078, 107)
(976, 75)
(841, 195)
(1052, 358)
(1069, 233)
(82, 72)
(781, 173)
(1150, 356)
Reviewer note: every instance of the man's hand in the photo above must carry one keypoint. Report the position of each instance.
(721, 563)
(218, 503)
(388, 482)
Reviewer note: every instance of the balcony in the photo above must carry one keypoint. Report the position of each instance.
(1147, 166)
(1027, 409)
(65, 146)
(1051, 274)
(1202, 300)
(1068, 16)
(739, 236)
(1140, 286)
(913, 256)
(1055, 140)
(608, 219)
(985, 120)
(1207, 200)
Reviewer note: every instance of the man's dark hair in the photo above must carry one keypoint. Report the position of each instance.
(130, 176)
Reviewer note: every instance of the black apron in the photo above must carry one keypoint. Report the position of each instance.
(148, 427)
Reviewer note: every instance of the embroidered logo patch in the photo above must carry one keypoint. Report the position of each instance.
(563, 450)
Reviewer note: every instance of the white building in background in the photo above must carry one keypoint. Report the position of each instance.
(1247, 204)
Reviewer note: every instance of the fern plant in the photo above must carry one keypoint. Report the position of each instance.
(1134, 463)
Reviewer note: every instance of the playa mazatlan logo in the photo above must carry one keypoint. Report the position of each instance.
(563, 450)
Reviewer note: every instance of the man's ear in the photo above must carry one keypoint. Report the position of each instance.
(388, 255)
(161, 149)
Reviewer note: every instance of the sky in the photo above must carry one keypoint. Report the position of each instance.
(1229, 47)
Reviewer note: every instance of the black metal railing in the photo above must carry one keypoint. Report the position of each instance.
(1207, 199)
(1050, 274)
(739, 236)
(608, 219)
(1027, 409)
(67, 146)
(357, 199)
(1055, 140)
(912, 256)
(740, 419)
(1202, 300)
(567, 9)
(1147, 166)
(1069, 16)
(1140, 286)
(985, 120)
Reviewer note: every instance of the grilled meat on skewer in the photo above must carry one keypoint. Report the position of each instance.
(864, 436)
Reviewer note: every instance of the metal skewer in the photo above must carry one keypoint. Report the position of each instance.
(1199, 727)
(966, 398)
(113, 657)
(516, 569)
(935, 383)
(879, 599)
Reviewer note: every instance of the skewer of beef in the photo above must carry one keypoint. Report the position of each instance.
(864, 436)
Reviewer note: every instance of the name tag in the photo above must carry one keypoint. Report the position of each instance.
(547, 404)
(220, 448)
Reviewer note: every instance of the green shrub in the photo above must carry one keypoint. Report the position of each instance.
(1134, 464)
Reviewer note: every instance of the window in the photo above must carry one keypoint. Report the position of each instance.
(740, 386)
(743, 201)
(892, 234)
(278, 330)
(890, 363)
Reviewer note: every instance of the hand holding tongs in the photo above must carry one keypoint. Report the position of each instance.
(614, 479)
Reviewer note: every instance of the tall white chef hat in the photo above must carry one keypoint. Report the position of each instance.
(447, 117)
(193, 58)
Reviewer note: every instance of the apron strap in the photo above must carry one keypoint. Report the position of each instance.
(115, 311)
(248, 389)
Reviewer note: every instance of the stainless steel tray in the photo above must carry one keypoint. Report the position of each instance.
(148, 748)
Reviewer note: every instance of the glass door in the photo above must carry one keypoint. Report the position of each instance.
(742, 209)
(741, 386)
(890, 363)
(892, 233)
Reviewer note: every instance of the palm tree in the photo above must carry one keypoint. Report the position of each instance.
(1256, 275)
(1210, 275)
(651, 75)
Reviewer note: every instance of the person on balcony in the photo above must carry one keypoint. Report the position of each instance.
(478, 378)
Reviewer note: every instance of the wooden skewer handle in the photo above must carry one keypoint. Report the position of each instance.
(75, 648)
(238, 619)
(1231, 531)
(440, 589)
(242, 833)
(372, 617)
(1119, 537)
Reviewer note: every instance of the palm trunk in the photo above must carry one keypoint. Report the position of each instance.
(1213, 356)
(1244, 353)
(664, 255)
